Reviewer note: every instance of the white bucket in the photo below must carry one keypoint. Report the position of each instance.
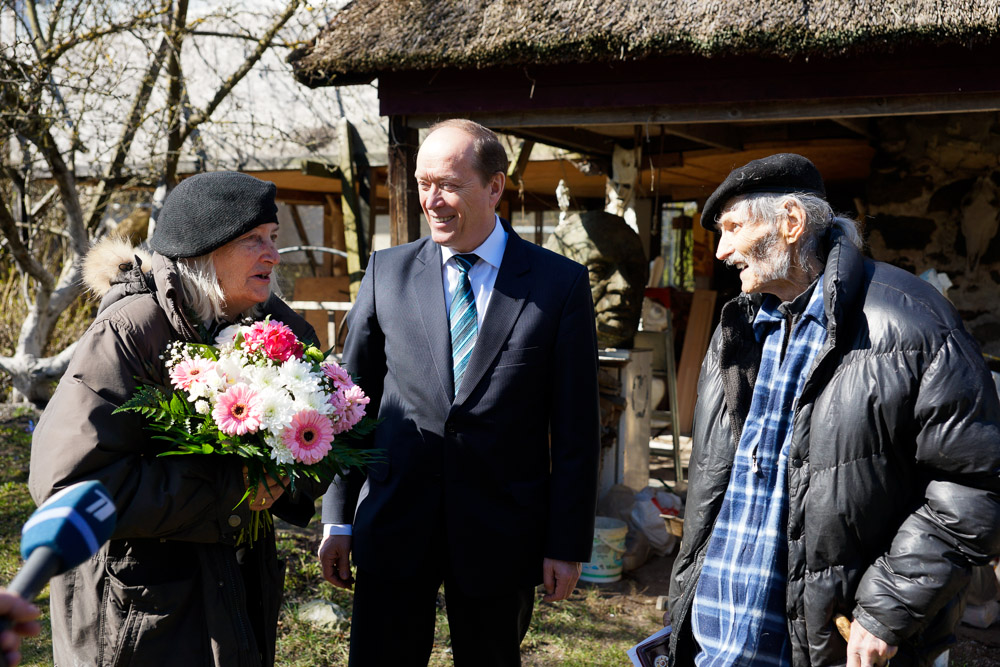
(608, 553)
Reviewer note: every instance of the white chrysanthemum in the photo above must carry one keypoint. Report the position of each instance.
(297, 376)
(279, 452)
(276, 409)
(263, 377)
(230, 366)
(199, 390)
(313, 398)
(202, 407)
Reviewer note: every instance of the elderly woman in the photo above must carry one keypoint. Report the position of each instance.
(171, 586)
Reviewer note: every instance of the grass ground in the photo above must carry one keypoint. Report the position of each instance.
(15, 446)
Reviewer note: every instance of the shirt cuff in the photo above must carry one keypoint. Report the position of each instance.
(336, 529)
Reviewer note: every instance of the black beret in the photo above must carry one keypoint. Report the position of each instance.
(207, 211)
(783, 173)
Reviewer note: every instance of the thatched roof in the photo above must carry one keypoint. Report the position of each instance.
(369, 37)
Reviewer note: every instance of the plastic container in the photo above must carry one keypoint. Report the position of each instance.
(606, 558)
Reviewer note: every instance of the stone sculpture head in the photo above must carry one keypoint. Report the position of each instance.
(613, 255)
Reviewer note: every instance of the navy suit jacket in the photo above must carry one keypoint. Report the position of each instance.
(506, 473)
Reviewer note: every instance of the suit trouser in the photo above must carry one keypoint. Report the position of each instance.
(393, 622)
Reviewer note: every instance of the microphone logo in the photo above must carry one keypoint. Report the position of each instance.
(103, 507)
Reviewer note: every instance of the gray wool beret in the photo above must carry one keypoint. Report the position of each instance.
(207, 211)
(783, 173)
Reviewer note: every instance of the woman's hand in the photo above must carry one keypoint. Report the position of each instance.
(268, 490)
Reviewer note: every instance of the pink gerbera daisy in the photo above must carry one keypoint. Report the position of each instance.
(238, 410)
(338, 376)
(349, 407)
(309, 436)
(189, 370)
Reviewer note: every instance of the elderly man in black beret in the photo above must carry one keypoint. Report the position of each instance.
(846, 447)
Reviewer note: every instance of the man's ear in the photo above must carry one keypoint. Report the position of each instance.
(794, 224)
(497, 183)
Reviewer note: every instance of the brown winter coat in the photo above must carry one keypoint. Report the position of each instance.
(170, 587)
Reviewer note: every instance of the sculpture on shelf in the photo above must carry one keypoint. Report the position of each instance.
(613, 254)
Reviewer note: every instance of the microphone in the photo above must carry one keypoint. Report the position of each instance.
(64, 531)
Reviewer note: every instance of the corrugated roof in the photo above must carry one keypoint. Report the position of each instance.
(369, 37)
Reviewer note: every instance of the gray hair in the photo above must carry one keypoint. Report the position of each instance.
(769, 207)
(202, 291)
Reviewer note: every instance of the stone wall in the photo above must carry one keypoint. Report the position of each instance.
(933, 201)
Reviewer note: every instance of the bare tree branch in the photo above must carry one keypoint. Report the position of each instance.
(55, 51)
(175, 94)
(43, 203)
(41, 46)
(199, 117)
(22, 255)
(56, 11)
(246, 38)
(66, 182)
(114, 168)
(106, 77)
(45, 370)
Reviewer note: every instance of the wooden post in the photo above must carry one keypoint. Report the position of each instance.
(696, 336)
(404, 204)
(333, 236)
(355, 208)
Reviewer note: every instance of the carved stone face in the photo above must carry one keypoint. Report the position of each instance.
(613, 255)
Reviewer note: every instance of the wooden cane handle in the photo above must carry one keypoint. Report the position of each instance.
(843, 626)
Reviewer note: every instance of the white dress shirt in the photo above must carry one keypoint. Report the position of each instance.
(483, 276)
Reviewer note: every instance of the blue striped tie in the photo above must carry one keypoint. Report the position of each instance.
(463, 319)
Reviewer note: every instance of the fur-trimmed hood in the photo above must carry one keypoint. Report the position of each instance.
(113, 261)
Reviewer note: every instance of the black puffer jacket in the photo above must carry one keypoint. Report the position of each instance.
(170, 587)
(893, 464)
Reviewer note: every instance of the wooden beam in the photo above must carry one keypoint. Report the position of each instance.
(761, 111)
(320, 169)
(516, 170)
(303, 197)
(663, 160)
(716, 136)
(404, 204)
(568, 138)
(945, 76)
(859, 126)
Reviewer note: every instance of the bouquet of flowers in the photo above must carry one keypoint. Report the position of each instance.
(263, 395)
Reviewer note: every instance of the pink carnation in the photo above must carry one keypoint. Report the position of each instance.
(190, 370)
(238, 410)
(309, 436)
(275, 339)
(351, 408)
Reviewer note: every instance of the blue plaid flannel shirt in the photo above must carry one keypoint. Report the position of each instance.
(739, 604)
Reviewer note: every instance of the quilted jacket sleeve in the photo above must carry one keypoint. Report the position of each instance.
(958, 524)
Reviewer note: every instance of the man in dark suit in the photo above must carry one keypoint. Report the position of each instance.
(479, 351)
